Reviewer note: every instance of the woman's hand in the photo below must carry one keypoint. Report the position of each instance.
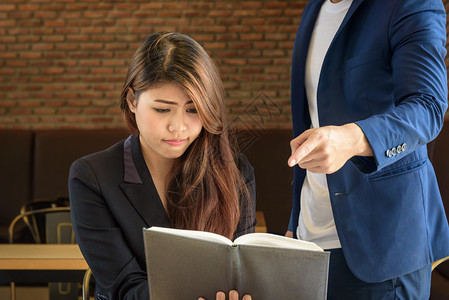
(233, 295)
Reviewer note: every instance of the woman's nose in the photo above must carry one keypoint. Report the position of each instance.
(177, 123)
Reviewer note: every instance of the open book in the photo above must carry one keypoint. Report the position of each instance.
(186, 264)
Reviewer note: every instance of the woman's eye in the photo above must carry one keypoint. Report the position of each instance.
(192, 110)
(161, 110)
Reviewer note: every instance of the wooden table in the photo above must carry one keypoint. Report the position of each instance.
(41, 263)
(261, 225)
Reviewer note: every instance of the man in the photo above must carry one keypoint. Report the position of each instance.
(369, 91)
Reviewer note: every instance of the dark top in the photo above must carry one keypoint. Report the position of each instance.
(112, 199)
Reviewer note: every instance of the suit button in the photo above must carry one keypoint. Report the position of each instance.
(388, 153)
(404, 147)
(393, 151)
(399, 149)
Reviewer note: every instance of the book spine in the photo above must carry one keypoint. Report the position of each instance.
(235, 267)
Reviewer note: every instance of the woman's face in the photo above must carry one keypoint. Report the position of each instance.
(167, 121)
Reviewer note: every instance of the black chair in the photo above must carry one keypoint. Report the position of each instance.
(48, 221)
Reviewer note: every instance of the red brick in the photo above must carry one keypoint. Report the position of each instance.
(45, 111)
(7, 7)
(78, 103)
(79, 23)
(94, 14)
(76, 119)
(18, 47)
(28, 39)
(128, 22)
(127, 7)
(54, 103)
(45, 14)
(42, 31)
(251, 36)
(78, 38)
(51, 7)
(101, 6)
(54, 23)
(253, 21)
(67, 30)
(273, 53)
(8, 55)
(151, 6)
(29, 103)
(7, 23)
(102, 54)
(248, 53)
(270, 12)
(101, 120)
(271, 5)
(113, 62)
(102, 38)
(16, 63)
(202, 6)
(42, 47)
(28, 119)
(220, 13)
(214, 45)
(128, 14)
(30, 55)
(194, 13)
(21, 15)
(92, 46)
(55, 55)
(101, 103)
(103, 87)
(278, 21)
(70, 14)
(30, 23)
(7, 103)
(202, 21)
(277, 36)
(244, 13)
(31, 7)
(53, 38)
(226, 5)
(67, 46)
(94, 111)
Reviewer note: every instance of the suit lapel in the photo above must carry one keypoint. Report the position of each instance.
(139, 188)
(355, 4)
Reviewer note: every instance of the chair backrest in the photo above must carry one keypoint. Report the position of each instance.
(35, 215)
(48, 221)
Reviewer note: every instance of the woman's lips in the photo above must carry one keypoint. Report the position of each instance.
(175, 142)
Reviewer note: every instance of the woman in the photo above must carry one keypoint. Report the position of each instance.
(177, 169)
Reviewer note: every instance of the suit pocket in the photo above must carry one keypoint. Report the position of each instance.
(398, 171)
(363, 59)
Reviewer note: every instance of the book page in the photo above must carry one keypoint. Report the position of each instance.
(199, 235)
(273, 240)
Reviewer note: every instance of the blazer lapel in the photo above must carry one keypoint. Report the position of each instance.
(355, 4)
(139, 188)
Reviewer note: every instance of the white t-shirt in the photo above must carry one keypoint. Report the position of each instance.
(316, 221)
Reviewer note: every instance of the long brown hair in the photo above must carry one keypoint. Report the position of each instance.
(204, 186)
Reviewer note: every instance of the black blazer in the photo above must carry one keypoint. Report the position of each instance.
(113, 198)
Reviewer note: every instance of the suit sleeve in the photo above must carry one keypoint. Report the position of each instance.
(417, 35)
(247, 222)
(101, 240)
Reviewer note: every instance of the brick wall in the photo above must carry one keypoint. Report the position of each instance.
(63, 63)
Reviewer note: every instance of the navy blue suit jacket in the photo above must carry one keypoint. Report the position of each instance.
(385, 71)
(112, 199)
